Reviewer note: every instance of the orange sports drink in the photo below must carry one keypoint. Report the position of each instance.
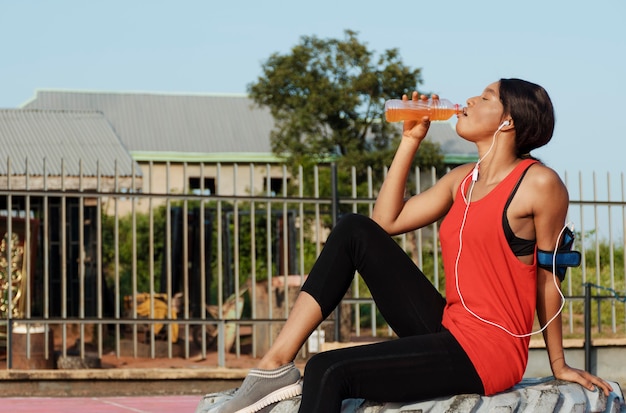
(397, 110)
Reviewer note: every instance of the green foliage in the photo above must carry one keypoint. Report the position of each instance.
(124, 240)
(247, 246)
(327, 98)
(260, 230)
(603, 268)
(603, 256)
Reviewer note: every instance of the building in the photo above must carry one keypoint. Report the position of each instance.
(155, 144)
(182, 139)
(174, 134)
(49, 154)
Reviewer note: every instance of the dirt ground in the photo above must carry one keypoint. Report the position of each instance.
(128, 354)
(196, 361)
(111, 361)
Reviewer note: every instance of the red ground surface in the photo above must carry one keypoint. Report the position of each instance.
(143, 404)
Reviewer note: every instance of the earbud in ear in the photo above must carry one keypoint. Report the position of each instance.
(505, 123)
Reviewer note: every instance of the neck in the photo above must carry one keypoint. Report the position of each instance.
(496, 158)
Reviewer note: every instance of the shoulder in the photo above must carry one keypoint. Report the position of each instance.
(543, 188)
(544, 178)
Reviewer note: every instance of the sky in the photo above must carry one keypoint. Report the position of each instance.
(575, 49)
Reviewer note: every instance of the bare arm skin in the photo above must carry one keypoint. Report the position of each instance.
(397, 215)
(550, 201)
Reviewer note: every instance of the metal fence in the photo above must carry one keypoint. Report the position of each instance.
(185, 270)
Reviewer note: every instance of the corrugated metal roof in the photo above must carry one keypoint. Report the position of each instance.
(61, 138)
(204, 126)
(173, 123)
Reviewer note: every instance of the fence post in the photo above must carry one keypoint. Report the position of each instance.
(335, 214)
(221, 343)
(587, 327)
(10, 334)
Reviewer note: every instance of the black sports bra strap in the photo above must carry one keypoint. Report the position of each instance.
(519, 246)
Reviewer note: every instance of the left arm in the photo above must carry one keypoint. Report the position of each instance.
(548, 303)
(549, 217)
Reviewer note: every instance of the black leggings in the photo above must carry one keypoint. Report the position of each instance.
(425, 361)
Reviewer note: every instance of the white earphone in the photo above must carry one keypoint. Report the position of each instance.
(475, 171)
(468, 200)
(505, 123)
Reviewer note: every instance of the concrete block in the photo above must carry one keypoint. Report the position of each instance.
(529, 396)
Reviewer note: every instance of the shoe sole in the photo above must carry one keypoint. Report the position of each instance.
(276, 396)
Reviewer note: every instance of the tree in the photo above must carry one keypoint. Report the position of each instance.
(327, 99)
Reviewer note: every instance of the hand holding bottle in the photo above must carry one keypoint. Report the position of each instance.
(417, 127)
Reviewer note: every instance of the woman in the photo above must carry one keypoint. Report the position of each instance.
(498, 213)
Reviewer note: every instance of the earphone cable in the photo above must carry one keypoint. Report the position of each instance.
(458, 257)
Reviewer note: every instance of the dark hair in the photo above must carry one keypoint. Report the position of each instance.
(531, 109)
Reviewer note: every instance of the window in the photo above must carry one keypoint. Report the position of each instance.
(197, 189)
(276, 186)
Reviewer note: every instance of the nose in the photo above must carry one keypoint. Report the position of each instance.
(470, 101)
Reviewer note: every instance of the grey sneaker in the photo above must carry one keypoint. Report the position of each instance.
(261, 388)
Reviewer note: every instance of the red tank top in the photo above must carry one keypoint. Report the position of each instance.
(494, 285)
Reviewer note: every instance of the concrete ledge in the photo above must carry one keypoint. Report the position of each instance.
(125, 374)
(530, 396)
(580, 343)
(117, 382)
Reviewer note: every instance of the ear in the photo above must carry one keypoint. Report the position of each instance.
(509, 124)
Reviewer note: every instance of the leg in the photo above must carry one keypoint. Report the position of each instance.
(404, 370)
(408, 301)
(406, 298)
(304, 317)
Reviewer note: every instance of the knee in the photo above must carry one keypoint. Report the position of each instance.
(320, 368)
(323, 386)
(353, 223)
(355, 230)
(317, 365)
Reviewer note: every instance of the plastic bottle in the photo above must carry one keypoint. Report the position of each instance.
(397, 110)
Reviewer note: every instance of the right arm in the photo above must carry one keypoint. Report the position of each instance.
(397, 215)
